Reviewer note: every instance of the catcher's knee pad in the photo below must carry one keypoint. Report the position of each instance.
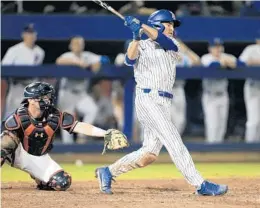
(146, 159)
(61, 181)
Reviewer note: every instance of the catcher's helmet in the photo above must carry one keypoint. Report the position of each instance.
(163, 15)
(38, 90)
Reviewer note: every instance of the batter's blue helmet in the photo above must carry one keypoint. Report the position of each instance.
(163, 15)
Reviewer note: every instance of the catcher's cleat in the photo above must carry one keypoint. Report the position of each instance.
(105, 178)
(44, 187)
(212, 189)
(41, 185)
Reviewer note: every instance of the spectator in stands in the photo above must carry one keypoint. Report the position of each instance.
(72, 90)
(251, 57)
(250, 8)
(193, 8)
(102, 95)
(215, 99)
(188, 58)
(23, 53)
(136, 7)
(182, 11)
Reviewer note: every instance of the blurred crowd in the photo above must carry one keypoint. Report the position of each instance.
(100, 101)
(181, 8)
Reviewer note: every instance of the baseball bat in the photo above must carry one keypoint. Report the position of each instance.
(109, 8)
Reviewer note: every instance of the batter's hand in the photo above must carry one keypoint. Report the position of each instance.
(114, 139)
(135, 26)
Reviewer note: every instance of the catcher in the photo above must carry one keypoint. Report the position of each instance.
(27, 137)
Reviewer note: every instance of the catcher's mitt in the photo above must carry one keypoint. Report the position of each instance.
(114, 139)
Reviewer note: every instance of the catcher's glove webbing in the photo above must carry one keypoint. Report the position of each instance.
(114, 139)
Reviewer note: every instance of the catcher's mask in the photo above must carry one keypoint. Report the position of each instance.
(41, 92)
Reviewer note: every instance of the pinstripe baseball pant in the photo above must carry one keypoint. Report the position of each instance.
(153, 112)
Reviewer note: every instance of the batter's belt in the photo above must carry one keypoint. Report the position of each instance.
(160, 93)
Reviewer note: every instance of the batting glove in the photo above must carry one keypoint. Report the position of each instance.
(135, 26)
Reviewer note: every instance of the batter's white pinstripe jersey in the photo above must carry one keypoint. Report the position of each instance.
(155, 67)
(184, 61)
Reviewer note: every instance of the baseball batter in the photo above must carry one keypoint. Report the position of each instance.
(154, 61)
(251, 57)
(27, 137)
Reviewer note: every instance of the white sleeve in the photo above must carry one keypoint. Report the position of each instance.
(141, 49)
(232, 56)
(42, 55)
(119, 60)
(9, 57)
(205, 61)
(67, 55)
(91, 58)
(245, 55)
(141, 46)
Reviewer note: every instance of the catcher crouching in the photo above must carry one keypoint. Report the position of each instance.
(27, 137)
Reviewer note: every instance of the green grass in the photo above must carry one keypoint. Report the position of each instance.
(155, 171)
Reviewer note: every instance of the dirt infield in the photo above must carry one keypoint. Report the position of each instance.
(133, 194)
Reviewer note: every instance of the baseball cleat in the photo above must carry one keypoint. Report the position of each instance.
(105, 178)
(44, 187)
(212, 189)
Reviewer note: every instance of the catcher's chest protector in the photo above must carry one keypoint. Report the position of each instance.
(38, 135)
